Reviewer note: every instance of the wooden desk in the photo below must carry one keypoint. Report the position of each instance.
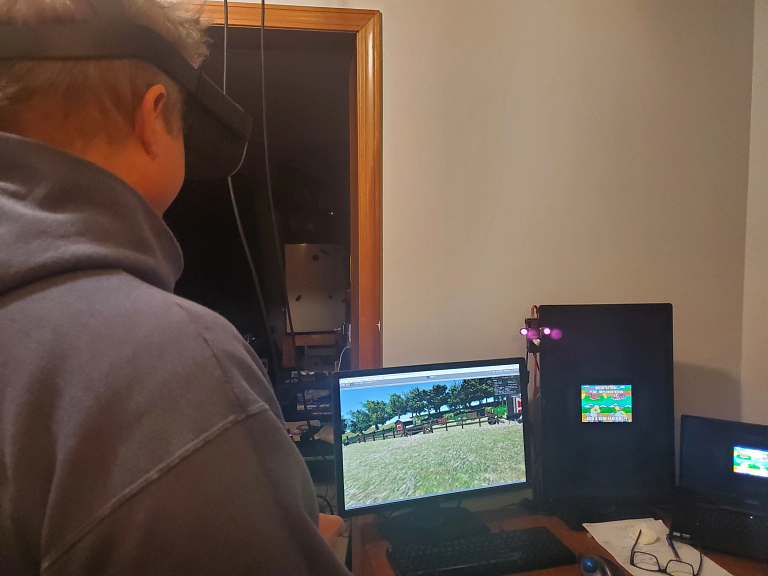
(369, 550)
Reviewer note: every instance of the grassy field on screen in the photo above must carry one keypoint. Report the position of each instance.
(443, 461)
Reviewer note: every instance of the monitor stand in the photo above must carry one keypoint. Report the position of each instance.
(574, 516)
(430, 523)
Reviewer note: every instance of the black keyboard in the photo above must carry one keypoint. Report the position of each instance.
(491, 554)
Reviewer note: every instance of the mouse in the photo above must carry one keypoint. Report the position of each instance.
(594, 565)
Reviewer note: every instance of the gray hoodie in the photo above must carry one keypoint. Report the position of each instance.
(138, 431)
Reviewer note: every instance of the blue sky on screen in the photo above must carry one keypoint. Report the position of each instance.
(353, 399)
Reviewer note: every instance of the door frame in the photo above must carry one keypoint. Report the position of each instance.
(366, 151)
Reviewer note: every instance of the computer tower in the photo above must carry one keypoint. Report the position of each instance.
(607, 404)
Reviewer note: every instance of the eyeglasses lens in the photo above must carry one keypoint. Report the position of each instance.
(647, 562)
(675, 568)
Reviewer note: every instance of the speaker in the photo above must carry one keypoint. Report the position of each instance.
(607, 404)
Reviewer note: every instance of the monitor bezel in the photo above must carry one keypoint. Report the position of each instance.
(435, 498)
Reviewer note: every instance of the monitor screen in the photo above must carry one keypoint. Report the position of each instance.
(750, 461)
(724, 461)
(429, 431)
(606, 403)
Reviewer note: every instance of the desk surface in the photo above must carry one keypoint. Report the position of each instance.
(369, 550)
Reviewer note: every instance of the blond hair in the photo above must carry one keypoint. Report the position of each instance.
(96, 98)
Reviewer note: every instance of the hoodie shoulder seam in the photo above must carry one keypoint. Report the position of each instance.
(152, 476)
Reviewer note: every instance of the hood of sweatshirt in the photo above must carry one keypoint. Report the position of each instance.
(60, 213)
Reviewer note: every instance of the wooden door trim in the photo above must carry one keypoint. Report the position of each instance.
(366, 191)
(292, 17)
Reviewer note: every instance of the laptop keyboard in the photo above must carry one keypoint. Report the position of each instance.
(729, 531)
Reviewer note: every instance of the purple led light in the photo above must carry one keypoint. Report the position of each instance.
(546, 331)
(523, 331)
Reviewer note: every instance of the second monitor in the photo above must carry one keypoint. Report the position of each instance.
(607, 410)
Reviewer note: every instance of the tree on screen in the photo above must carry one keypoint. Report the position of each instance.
(473, 391)
(397, 405)
(378, 411)
(468, 392)
(486, 389)
(476, 390)
(359, 421)
(416, 400)
(437, 397)
(454, 397)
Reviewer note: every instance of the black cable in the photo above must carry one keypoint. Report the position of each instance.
(254, 275)
(226, 46)
(269, 182)
(327, 502)
(341, 356)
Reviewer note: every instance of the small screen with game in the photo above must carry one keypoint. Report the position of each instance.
(750, 461)
(606, 403)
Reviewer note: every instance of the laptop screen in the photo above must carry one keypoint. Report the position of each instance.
(724, 461)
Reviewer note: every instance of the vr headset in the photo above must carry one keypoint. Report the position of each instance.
(216, 130)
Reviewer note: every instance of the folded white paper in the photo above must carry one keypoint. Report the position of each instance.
(617, 538)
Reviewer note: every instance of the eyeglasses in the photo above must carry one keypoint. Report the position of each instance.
(675, 567)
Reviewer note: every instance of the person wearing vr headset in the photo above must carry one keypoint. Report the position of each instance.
(139, 433)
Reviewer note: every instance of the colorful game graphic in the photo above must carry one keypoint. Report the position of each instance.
(606, 403)
(750, 461)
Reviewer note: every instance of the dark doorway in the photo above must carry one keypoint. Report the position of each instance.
(308, 123)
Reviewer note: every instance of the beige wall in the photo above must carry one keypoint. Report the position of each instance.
(754, 364)
(551, 151)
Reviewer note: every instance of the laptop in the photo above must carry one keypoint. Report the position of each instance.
(723, 491)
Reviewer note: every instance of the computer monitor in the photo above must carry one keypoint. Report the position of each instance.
(427, 433)
(607, 408)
